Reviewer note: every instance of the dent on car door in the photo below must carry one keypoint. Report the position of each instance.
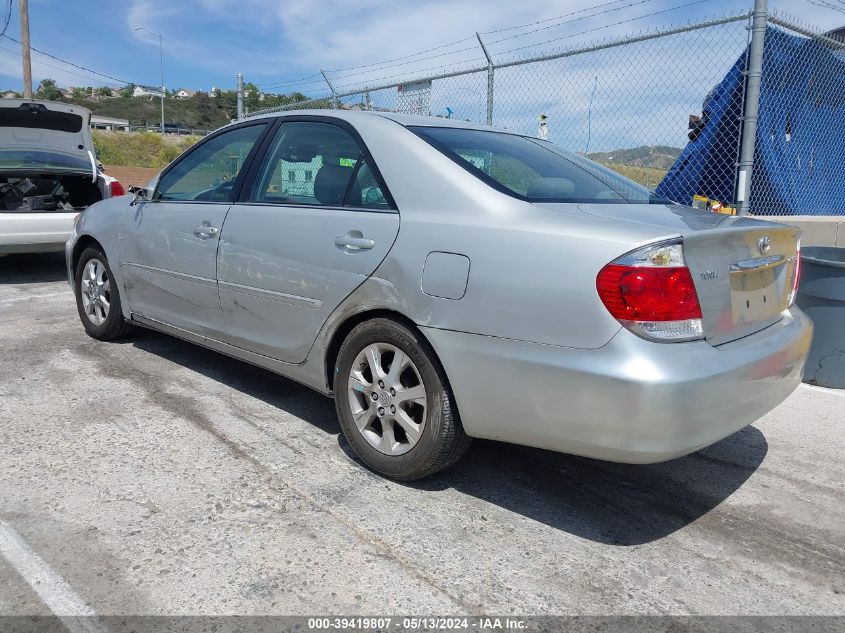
(169, 254)
(316, 222)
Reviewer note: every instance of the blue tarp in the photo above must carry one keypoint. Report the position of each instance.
(799, 167)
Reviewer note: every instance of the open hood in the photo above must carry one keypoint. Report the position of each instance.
(44, 136)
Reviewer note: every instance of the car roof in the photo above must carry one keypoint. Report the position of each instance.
(406, 120)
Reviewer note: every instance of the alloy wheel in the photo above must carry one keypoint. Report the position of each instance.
(95, 290)
(388, 398)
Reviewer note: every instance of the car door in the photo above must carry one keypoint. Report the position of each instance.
(169, 250)
(316, 221)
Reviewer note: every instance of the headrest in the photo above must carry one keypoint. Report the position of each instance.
(330, 184)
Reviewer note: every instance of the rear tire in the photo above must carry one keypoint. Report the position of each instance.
(98, 298)
(394, 403)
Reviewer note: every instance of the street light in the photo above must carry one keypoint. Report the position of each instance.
(161, 63)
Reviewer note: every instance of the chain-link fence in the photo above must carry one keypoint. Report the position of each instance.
(665, 108)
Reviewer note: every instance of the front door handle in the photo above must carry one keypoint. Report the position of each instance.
(205, 231)
(354, 241)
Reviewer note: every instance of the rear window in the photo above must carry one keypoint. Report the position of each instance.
(36, 115)
(534, 170)
(36, 160)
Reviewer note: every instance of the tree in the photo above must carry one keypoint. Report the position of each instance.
(79, 93)
(204, 107)
(127, 90)
(48, 90)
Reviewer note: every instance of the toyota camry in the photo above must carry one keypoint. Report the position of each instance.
(444, 281)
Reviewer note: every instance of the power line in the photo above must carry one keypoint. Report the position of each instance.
(385, 67)
(467, 39)
(606, 26)
(396, 59)
(421, 70)
(578, 19)
(386, 64)
(64, 61)
(7, 20)
(557, 17)
(48, 65)
(271, 84)
(413, 61)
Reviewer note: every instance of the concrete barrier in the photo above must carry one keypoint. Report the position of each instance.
(819, 230)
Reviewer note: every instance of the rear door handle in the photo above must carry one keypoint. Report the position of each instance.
(352, 242)
(204, 231)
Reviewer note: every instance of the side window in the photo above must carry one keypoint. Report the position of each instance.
(209, 172)
(317, 164)
(365, 191)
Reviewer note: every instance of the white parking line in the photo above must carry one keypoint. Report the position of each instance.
(53, 590)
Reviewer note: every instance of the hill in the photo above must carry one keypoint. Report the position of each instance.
(646, 164)
(650, 156)
(197, 112)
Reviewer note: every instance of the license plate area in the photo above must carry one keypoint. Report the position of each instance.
(759, 289)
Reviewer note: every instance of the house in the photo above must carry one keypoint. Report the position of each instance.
(146, 91)
(214, 92)
(184, 93)
(9, 94)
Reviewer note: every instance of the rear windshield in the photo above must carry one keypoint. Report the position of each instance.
(534, 170)
(36, 160)
(36, 115)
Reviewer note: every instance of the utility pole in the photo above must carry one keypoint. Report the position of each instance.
(240, 93)
(25, 52)
(751, 110)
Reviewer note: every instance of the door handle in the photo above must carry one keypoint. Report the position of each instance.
(354, 241)
(204, 231)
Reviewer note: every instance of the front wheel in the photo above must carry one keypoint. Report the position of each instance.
(98, 298)
(394, 403)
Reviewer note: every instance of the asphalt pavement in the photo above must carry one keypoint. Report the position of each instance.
(151, 476)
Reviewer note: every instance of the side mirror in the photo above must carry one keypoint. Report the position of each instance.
(140, 193)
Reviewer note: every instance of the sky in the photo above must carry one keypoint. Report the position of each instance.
(282, 44)
(639, 94)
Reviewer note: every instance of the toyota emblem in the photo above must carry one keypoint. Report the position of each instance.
(764, 245)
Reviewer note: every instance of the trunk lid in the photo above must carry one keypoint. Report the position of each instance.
(743, 267)
(44, 136)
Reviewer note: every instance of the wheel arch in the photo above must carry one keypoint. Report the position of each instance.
(342, 330)
(82, 242)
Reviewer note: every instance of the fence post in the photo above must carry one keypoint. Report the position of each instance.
(751, 107)
(489, 80)
(331, 87)
(240, 91)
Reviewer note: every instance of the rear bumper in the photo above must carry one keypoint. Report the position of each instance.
(630, 401)
(34, 232)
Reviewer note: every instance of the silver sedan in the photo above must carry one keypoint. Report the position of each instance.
(444, 281)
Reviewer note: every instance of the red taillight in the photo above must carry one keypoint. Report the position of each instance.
(116, 188)
(638, 293)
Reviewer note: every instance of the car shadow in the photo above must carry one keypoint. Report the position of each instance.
(32, 268)
(616, 504)
(253, 381)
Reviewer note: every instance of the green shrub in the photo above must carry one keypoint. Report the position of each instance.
(139, 149)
